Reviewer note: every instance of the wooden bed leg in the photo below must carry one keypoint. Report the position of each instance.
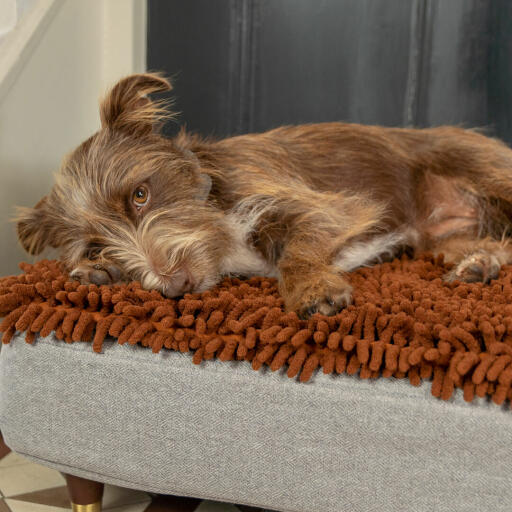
(4, 449)
(85, 495)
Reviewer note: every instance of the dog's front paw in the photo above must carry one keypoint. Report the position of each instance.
(479, 267)
(96, 273)
(327, 294)
(328, 303)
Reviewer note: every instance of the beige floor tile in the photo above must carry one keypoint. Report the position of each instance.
(28, 477)
(25, 506)
(53, 497)
(12, 459)
(215, 506)
(118, 496)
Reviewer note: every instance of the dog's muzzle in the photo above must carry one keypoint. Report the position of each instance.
(176, 284)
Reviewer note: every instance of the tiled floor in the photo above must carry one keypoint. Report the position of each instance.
(29, 487)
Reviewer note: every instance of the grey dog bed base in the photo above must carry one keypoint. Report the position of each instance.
(156, 422)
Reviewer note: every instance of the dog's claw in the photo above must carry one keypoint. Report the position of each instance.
(310, 311)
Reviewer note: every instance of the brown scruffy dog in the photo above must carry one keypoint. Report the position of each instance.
(306, 204)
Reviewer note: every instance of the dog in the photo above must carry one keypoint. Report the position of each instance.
(306, 204)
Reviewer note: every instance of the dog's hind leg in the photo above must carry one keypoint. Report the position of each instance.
(465, 211)
(483, 164)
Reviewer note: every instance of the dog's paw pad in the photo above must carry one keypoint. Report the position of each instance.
(477, 268)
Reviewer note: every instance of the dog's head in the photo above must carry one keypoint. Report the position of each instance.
(132, 197)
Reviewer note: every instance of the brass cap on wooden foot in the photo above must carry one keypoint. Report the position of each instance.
(91, 507)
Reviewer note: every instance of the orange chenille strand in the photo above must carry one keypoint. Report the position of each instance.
(405, 321)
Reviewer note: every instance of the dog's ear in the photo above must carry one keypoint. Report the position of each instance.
(127, 108)
(204, 181)
(204, 188)
(35, 230)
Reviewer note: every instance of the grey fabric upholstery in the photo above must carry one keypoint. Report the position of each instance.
(222, 431)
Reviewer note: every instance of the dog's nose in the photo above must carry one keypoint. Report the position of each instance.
(178, 283)
(181, 279)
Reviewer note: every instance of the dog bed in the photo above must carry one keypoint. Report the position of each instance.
(405, 322)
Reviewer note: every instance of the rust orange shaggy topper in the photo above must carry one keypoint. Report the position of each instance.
(405, 321)
(306, 204)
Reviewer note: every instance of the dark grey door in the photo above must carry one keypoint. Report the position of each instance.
(250, 65)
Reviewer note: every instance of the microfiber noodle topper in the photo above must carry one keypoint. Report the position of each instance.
(405, 322)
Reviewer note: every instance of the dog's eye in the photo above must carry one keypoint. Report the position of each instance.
(140, 196)
(93, 251)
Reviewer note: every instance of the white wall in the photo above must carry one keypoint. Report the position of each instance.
(49, 95)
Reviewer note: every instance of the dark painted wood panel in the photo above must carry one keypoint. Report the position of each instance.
(500, 70)
(249, 65)
(191, 41)
(331, 60)
(454, 80)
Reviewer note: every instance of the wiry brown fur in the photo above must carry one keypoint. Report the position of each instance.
(307, 203)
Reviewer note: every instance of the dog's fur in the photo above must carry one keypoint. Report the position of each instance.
(304, 203)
